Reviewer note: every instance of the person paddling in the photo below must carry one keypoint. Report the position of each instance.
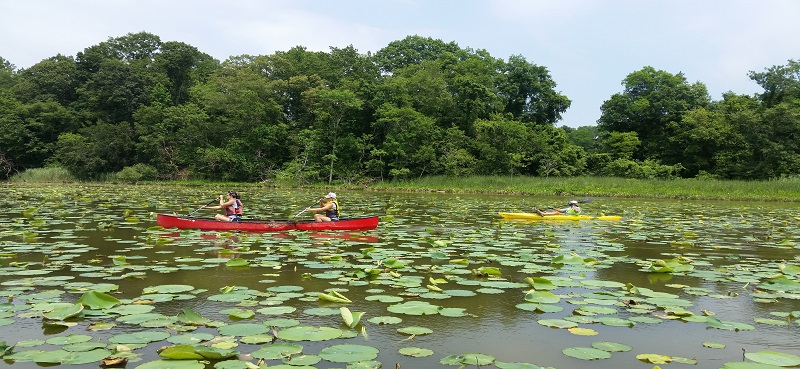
(330, 206)
(571, 209)
(232, 205)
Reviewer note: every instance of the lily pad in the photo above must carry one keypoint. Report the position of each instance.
(172, 364)
(557, 323)
(277, 351)
(243, 329)
(348, 353)
(415, 330)
(415, 352)
(611, 346)
(414, 307)
(586, 353)
(542, 297)
(773, 358)
(306, 333)
(654, 358)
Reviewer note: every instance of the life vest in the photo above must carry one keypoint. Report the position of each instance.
(234, 209)
(333, 212)
(572, 211)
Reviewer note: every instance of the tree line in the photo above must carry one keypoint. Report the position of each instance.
(149, 109)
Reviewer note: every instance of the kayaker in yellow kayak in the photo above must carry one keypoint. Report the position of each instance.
(571, 209)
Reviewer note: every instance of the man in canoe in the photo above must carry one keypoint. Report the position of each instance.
(330, 206)
(571, 209)
(232, 205)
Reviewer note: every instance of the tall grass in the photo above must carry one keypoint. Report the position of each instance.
(775, 190)
(44, 175)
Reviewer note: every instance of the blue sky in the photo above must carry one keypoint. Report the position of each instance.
(589, 46)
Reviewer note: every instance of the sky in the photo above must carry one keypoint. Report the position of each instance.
(588, 46)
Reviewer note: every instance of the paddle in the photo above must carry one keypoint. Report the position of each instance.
(584, 201)
(198, 209)
(304, 210)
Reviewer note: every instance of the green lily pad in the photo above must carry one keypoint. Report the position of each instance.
(415, 330)
(728, 325)
(504, 365)
(301, 361)
(714, 345)
(415, 352)
(139, 337)
(749, 365)
(557, 323)
(63, 311)
(167, 288)
(281, 322)
(351, 319)
(773, 358)
(348, 353)
(238, 313)
(306, 333)
(277, 351)
(276, 310)
(414, 307)
(172, 364)
(611, 346)
(190, 338)
(189, 316)
(98, 300)
(385, 320)
(243, 329)
(586, 353)
(542, 297)
(67, 340)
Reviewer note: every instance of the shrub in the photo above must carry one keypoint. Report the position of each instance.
(647, 169)
(136, 173)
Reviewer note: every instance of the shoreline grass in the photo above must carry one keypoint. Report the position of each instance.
(773, 190)
(779, 190)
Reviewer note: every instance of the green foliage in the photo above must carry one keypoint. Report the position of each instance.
(647, 169)
(785, 189)
(622, 144)
(418, 107)
(44, 175)
(652, 103)
(137, 172)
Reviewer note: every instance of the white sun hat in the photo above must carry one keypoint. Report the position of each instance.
(330, 195)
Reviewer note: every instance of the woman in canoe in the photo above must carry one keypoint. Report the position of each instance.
(232, 205)
(571, 209)
(330, 206)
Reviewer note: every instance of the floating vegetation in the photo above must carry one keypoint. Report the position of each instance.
(107, 286)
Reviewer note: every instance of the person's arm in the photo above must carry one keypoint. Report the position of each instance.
(328, 206)
(222, 203)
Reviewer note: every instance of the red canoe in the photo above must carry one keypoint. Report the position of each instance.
(266, 225)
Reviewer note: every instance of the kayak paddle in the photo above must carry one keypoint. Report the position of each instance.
(198, 209)
(304, 210)
(584, 201)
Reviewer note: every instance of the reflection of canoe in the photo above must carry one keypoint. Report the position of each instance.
(285, 235)
(534, 216)
(266, 225)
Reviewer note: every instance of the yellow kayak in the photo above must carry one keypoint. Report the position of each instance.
(534, 216)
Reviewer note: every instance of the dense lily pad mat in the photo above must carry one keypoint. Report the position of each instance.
(442, 282)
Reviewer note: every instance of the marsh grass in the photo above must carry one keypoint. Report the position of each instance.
(44, 175)
(783, 189)
(786, 189)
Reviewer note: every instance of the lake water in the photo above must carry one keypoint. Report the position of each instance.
(688, 280)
